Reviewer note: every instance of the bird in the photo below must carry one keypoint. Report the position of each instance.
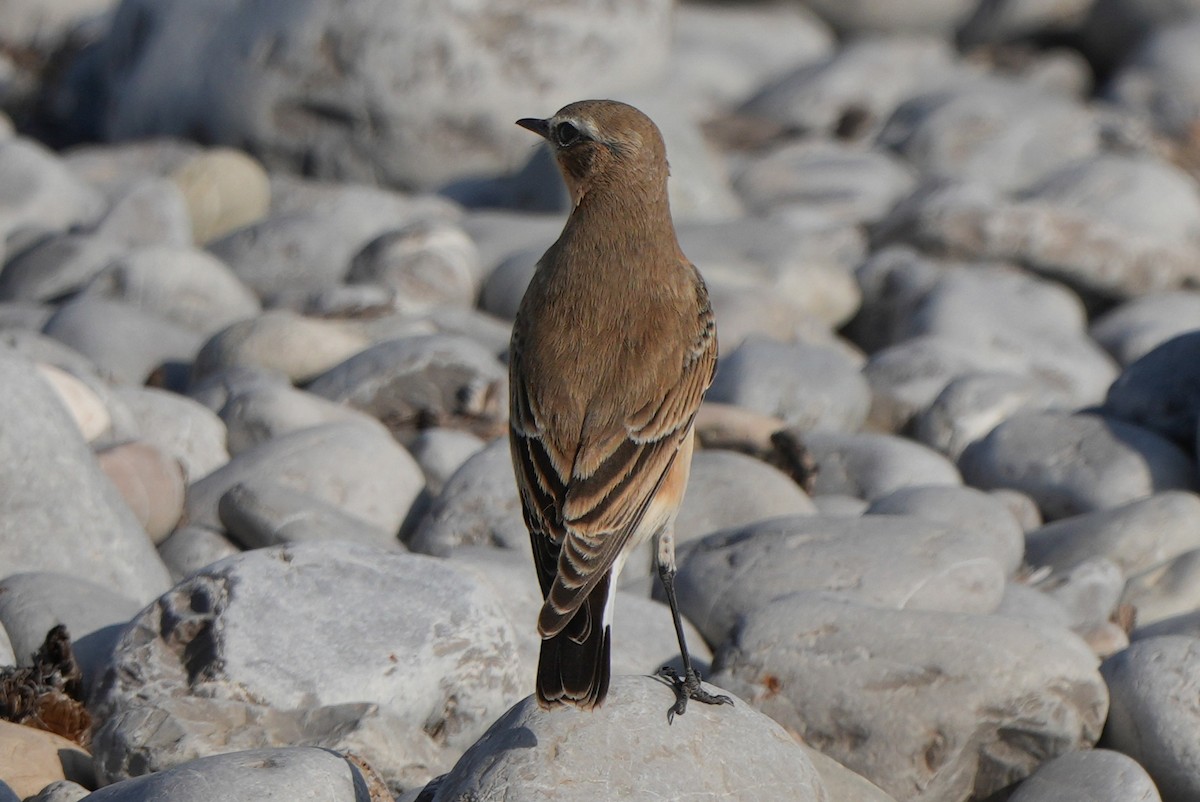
(613, 348)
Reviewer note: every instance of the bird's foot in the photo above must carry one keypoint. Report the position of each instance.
(688, 687)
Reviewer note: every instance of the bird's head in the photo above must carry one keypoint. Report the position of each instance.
(604, 143)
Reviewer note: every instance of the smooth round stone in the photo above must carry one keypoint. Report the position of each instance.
(184, 285)
(1010, 313)
(1166, 590)
(505, 285)
(969, 407)
(894, 281)
(426, 263)
(1093, 257)
(87, 409)
(24, 315)
(1023, 508)
(31, 604)
(478, 505)
(908, 377)
(113, 167)
(299, 772)
(224, 190)
(839, 505)
(1138, 326)
(178, 426)
(879, 16)
(870, 466)
(847, 183)
(313, 232)
(413, 382)
(727, 489)
(41, 191)
(151, 211)
(999, 133)
(811, 387)
(1089, 592)
(356, 467)
(761, 312)
(34, 758)
(190, 548)
(440, 452)
(1161, 390)
(1137, 536)
(856, 89)
(54, 492)
(151, 482)
(712, 751)
(1185, 624)
(721, 54)
(256, 413)
(1135, 192)
(1075, 463)
(362, 127)
(210, 666)
(1154, 715)
(963, 507)
(259, 513)
(934, 705)
(901, 562)
(1030, 604)
(1091, 775)
(1159, 79)
(61, 791)
(1010, 20)
(125, 342)
(57, 265)
(301, 348)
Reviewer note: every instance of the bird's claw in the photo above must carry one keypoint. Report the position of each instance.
(688, 687)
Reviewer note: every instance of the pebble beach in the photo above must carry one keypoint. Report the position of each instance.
(258, 269)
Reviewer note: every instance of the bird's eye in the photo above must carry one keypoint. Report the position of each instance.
(566, 134)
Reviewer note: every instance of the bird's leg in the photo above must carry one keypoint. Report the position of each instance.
(688, 685)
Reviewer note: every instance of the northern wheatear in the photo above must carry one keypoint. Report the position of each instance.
(613, 348)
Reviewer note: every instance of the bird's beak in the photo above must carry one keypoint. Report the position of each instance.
(539, 127)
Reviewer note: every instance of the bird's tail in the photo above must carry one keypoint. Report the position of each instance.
(574, 665)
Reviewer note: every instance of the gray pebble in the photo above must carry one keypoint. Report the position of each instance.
(1136, 327)
(41, 190)
(478, 505)
(261, 512)
(179, 426)
(426, 263)
(1159, 79)
(52, 491)
(1091, 775)
(1166, 590)
(414, 382)
(190, 548)
(1076, 463)
(1137, 535)
(296, 772)
(887, 561)
(184, 285)
(212, 666)
(31, 604)
(846, 183)
(357, 467)
(716, 751)
(125, 342)
(259, 409)
(56, 265)
(1161, 390)
(871, 465)
(812, 387)
(151, 211)
(440, 452)
(301, 348)
(999, 133)
(932, 708)
(1154, 716)
(959, 506)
